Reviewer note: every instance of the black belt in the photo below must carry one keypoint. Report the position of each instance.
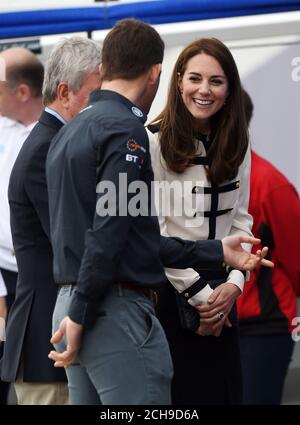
(148, 292)
(65, 284)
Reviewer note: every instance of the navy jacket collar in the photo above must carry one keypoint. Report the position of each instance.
(98, 95)
(50, 120)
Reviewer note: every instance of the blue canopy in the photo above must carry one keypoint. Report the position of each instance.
(55, 21)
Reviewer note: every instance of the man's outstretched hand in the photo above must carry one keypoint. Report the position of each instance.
(236, 256)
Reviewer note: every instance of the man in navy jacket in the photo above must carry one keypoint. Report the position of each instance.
(108, 262)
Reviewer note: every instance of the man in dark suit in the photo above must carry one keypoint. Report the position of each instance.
(21, 105)
(72, 73)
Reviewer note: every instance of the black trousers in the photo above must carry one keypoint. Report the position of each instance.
(10, 279)
(207, 370)
(265, 362)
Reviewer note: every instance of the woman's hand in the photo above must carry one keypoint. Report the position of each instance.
(214, 314)
(215, 330)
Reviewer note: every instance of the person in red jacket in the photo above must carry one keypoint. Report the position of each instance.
(268, 304)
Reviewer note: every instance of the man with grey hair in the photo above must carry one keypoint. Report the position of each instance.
(72, 72)
(69, 70)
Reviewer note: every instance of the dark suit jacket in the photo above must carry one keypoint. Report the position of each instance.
(30, 319)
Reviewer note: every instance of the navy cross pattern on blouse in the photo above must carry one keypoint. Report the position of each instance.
(214, 191)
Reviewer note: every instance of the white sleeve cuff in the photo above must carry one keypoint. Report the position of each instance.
(3, 290)
(181, 279)
(237, 278)
(201, 296)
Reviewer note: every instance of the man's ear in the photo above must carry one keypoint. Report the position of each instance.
(63, 94)
(154, 73)
(23, 92)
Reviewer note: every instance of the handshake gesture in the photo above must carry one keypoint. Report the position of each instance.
(214, 314)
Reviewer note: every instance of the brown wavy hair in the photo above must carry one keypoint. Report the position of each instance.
(229, 133)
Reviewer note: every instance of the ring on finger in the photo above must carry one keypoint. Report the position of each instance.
(220, 315)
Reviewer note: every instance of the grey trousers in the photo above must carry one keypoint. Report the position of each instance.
(124, 357)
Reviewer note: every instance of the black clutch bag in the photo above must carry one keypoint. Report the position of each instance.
(189, 317)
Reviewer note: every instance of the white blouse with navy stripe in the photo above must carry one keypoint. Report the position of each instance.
(210, 211)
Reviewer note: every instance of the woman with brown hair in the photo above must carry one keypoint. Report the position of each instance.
(200, 155)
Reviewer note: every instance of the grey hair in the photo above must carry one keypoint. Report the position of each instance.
(71, 61)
